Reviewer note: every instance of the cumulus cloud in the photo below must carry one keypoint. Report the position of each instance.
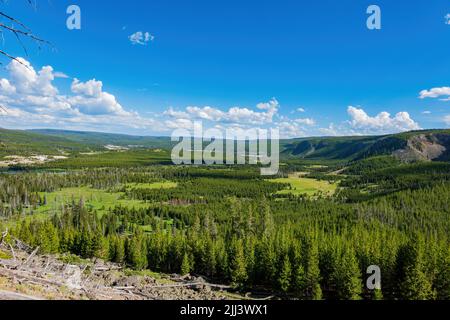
(301, 110)
(290, 129)
(31, 100)
(205, 113)
(141, 38)
(306, 121)
(381, 123)
(91, 99)
(25, 80)
(34, 91)
(447, 19)
(264, 115)
(6, 87)
(436, 93)
(238, 115)
(331, 130)
(89, 88)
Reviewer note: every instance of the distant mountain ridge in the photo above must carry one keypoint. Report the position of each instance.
(408, 146)
(100, 139)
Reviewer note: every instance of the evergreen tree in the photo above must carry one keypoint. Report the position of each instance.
(298, 271)
(238, 272)
(347, 276)
(284, 277)
(312, 272)
(415, 284)
(442, 282)
(186, 264)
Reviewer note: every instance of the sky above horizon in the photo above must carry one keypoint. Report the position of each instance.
(309, 68)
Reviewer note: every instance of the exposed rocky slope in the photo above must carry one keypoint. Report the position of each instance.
(425, 147)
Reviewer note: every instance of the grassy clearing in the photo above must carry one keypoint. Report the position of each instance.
(99, 200)
(310, 187)
(155, 185)
(130, 158)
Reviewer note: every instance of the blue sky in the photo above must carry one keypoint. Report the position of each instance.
(220, 61)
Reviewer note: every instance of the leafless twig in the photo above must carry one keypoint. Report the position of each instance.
(19, 30)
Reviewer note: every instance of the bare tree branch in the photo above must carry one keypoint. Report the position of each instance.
(13, 58)
(19, 30)
(15, 21)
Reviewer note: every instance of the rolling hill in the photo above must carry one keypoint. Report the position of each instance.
(99, 139)
(409, 146)
(17, 142)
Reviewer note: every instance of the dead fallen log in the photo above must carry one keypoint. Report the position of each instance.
(29, 258)
(4, 235)
(179, 285)
(7, 295)
(104, 269)
(8, 263)
(25, 276)
(22, 246)
(13, 253)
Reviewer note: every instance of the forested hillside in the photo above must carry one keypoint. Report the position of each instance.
(15, 142)
(416, 143)
(412, 146)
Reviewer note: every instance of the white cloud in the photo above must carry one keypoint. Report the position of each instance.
(175, 114)
(206, 113)
(34, 91)
(27, 81)
(238, 118)
(31, 100)
(236, 115)
(447, 120)
(91, 99)
(91, 88)
(381, 123)
(290, 129)
(61, 75)
(426, 112)
(447, 19)
(306, 121)
(436, 93)
(271, 105)
(301, 110)
(6, 87)
(330, 131)
(141, 38)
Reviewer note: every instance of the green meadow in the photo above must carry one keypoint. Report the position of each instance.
(98, 200)
(300, 185)
(155, 185)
